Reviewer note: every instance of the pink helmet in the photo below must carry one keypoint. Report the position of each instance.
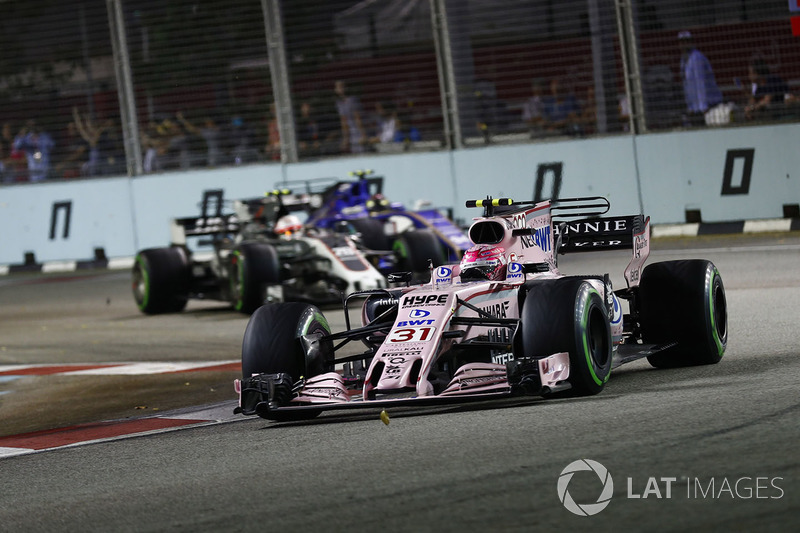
(484, 261)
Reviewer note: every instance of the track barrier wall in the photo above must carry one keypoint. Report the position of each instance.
(710, 175)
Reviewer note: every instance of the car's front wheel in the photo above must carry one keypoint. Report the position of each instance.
(568, 315)
(272, 344)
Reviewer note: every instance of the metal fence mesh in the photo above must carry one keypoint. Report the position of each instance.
(371, 77)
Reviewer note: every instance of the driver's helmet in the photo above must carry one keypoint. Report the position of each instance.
(484, 261)
(288, 224)
(377, 202)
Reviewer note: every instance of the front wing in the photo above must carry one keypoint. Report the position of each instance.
(273, 395)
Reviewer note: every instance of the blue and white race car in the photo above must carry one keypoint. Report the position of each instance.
(398, 238)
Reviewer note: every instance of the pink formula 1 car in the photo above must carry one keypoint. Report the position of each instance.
(503, 321)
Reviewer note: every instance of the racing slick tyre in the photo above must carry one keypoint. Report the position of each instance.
(161, 280)
(684, 302)
(568, 315)
(372, 233)
(253, 266)
(414, 248)
(271, 344)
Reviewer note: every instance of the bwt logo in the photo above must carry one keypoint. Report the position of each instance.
(541, 237)
(418, 313)
(442, 274)
(586, 509)
(514, 271)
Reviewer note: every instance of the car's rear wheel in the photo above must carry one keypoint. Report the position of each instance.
(272, 344)
(253, 266)
(684, 302)
(413, 249)
(160, 280)
(373, 235)
(568, 315)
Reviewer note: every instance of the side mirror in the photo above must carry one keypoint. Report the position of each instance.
(399, 277)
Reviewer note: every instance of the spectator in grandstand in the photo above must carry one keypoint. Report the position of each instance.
(699, 85)
(768, 92)
(490, 112)
(588, 116)
(91, 133)
(326, 115)
(624, 110)
(405, 131)
(273, 148)
(349, 108)
(308, 133)
(14, 163)
(36, 145)
(71, 163)
(241, 139)
(533, 110)
(154, 147)
(177, 155)
(561, 112)
(7, 174)
(386, 123)
(112, 149)
(209, 132)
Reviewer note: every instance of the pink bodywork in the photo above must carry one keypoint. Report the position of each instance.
(403, 362)
(641, 250)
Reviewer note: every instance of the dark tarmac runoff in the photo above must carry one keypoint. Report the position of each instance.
(710, 448)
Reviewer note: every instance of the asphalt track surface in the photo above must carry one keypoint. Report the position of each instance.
(726, 433)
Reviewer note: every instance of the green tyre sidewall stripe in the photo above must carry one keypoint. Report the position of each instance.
(146, 277)
(585, 300)
(711, 294)
(399, 248)
(238, 289)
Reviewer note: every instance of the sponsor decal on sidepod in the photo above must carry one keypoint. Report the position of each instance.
(514, 272)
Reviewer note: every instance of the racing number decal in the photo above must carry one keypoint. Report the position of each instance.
(541, 172)
(411, 335)
(58, 206)
(747, 154)
(208, 196)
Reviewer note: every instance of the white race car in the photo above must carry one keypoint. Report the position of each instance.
(259, 253)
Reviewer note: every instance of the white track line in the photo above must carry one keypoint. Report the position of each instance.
(759, 226)
(118, 369)
(59, 266)
(138, 369)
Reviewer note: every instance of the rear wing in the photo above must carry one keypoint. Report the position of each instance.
(608, 233)
(601, 233)
(263, 210)
(362, 187)
(180, 228)
(578, 227)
